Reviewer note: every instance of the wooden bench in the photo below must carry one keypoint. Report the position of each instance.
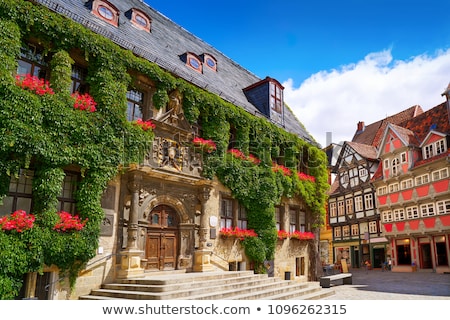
(325, 282)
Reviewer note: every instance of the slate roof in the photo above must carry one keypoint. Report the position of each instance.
(164, 45)
(364, 150)
(373, 133)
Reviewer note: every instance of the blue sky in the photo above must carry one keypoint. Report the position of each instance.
(340, 61)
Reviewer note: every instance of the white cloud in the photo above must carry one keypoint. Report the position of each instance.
(369, 90)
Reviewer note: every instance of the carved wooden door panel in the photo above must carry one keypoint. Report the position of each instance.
(152, 250)
(169, 251)
(161, 250)
(162, 234)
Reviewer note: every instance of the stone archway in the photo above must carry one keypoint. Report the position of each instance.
(161, 247)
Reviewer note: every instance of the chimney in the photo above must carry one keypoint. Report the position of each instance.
(360, 126)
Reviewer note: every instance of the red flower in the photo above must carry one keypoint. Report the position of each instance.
(33, 83)
(238, 154)
(278, 167)
(206, 145)
(237, 232)
(84, 102)
(19, 221)
(302, 235)
(69, 222)
(145, 125)
(253, 159)
(305, 177)
(282, 234)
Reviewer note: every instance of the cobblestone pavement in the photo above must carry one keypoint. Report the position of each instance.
(378, 285)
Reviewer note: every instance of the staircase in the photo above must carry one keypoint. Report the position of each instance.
(231, 285)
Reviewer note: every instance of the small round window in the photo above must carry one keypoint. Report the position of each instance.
(141, 20)
(210, 62)
(194, 63)
(105, 13)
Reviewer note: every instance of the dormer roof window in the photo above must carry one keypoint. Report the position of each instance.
(193, 61)
(105, 11)
(209, 61)
(139, 19)
(276, 96)
(267, 96)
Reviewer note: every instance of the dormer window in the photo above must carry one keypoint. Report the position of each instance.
(193, 61)
(434, 149)
(276, 97)
(210, 61)
(139, 19)
(267, 96)
(106, 11)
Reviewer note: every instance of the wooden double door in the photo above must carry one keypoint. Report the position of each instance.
(162, 235)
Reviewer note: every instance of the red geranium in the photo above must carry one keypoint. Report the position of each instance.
(19, 220)
(145, 125)
(205, 144)
(69, 222)
(280, 168)
(305, 177)
(237, 232)
(33, 83)
(84, 102)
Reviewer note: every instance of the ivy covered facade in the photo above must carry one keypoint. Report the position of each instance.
(150, 161)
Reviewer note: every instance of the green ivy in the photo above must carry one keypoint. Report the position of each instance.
(49, 135)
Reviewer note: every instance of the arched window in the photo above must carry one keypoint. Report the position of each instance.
(194, 62)
(210, 61)
(139, 19)
(106, 11)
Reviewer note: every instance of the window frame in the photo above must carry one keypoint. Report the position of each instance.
(96, 7)
(135, 14)
(276, 97)
(226, 212)
(368, 201)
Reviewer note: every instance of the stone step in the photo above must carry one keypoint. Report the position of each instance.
(218, 285)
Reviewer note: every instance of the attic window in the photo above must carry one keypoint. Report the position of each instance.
(276, 97)
(194, 62)
(140, 20)
(210, 61)
(106, 11)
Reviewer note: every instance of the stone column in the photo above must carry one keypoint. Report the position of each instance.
(131, 256)
(202, 256)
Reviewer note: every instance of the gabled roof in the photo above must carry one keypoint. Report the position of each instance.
(373, 133)
(165, 44)
(414, 131)
(365, 151)
(430, 135)
(436, 119)
(406, 136)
